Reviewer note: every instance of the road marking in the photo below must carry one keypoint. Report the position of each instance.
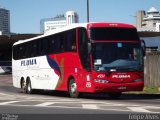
(5, 103)
(91, 102)
(3, 94)
(85, 106)
(119, 105)
(90, 106)
(138, 109)
(45, 104)
(7, 94)
(152, 107)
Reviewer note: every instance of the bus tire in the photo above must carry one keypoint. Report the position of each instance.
(73, 88)
(29, 89)
(115, 95)
(23, 86)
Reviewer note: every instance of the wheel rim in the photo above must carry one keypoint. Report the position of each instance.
(23, 86)
(73, 88)
(29, 87)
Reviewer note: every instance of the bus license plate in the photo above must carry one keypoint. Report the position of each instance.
(122, 88)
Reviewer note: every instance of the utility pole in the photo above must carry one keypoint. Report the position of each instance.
(87, 10)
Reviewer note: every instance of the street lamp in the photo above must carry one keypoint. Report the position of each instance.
(87, 10)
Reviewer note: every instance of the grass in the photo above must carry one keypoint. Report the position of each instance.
(151, 90)
(147, 90)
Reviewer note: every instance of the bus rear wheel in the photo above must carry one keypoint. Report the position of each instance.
(29, 89)
(23, 86)
(73, 89)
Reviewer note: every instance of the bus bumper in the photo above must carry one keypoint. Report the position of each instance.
(114, 87)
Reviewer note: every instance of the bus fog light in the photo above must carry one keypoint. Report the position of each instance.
(101, 81)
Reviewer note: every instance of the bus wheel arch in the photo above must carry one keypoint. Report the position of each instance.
(72, 87)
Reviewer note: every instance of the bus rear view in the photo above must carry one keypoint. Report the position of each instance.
(117, 59)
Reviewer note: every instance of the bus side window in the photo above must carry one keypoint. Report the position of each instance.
(62, 42)
(59, 43)
(34, 48)
(83, 48)
(25, 50)
(70, 40)
(51, 44)
(31, 53)
(15, 52)
(21, 51)
(39, 47)
(73, 40)
(45, 45)
(65, 41)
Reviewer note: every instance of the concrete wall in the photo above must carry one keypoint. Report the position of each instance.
(152, 69)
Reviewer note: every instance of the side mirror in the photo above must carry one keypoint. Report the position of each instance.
(143, 44)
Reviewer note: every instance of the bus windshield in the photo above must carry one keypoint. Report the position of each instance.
(108, 33)
(117, 56)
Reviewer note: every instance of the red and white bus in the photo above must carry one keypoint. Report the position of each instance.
(88, 58)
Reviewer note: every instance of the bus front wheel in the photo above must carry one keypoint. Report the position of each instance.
(73, 89)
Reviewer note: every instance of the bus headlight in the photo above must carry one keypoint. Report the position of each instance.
(88, 77)
(101, 81)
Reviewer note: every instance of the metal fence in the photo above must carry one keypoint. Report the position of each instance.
(152, 69)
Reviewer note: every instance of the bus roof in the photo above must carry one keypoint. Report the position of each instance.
(75, 25)
(68, 27)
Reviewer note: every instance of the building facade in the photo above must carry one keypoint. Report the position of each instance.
(4, 21)
(140, 15)
(148, 21)
(59, 21)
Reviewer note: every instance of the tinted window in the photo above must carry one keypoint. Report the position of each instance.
(70, 40)
(83, 48)
(53, 44)
(112, 55)
(114, 34)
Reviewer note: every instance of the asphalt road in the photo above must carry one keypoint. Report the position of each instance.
(13, 102)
